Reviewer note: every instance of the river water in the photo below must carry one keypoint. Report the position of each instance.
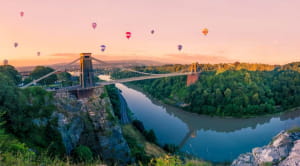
(210, 138)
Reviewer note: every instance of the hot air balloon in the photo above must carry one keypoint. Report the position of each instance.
(103, 48)
(152, 31)
(16, 44)
(128, 35)
(205, 31)
(21, 13)
(179, 47)
(38, 53)
(94, 25)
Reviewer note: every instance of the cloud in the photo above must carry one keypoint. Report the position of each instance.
(65, 55)
(168, 58)
(200, 58)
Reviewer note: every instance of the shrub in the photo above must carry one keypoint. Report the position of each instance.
(82, 154)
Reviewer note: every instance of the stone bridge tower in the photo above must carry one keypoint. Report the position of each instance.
(86, 70)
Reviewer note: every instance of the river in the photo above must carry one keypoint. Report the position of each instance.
(210, 138)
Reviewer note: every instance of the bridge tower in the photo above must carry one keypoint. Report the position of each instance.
(194, 67)
(86, 70)
(193, 77)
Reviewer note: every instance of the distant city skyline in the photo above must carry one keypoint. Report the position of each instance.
(247, 31)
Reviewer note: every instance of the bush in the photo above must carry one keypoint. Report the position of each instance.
(171, 148)
(150, 136)
(82, 154)
(138, 125)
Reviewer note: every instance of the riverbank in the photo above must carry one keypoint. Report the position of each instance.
(142, 149)
(183, 106)
(215, 139)
(283, 150)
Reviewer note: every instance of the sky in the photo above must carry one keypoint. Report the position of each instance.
(255, 31)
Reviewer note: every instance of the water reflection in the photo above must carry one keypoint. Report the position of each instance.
(211, 138)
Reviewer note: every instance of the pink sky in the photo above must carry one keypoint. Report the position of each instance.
(258, 31)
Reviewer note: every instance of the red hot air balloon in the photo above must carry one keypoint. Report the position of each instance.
(152, 31)
(21, 13)
(16, 44)
(179, 47)
(94, 25)
(38, 53)
(128, 35)
(205, 31)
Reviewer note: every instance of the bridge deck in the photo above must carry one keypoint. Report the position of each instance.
(101, 84)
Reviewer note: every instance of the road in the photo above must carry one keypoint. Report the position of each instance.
(123, 110)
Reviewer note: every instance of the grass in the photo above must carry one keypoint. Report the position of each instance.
(21, 159)
(266, 164)
(294, 130)
(150, 148)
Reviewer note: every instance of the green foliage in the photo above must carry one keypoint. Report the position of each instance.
(64, 78)
(40, 71)
(21, 108)
(28, 133)
(8, 93)
(171, 148)
(261, 89)
(292, 66)
(266, 164)
(82, 154)
(137, 150)
(170, 160)
(150, 136)
(294, 130)
(12, 73)
(112, 92)
(167, 160)
(103, 95)
(138, 125)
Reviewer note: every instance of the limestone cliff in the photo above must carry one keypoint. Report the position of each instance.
(284, 150)
(91, 122)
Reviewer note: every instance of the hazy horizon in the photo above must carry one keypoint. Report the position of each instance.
(246, 31)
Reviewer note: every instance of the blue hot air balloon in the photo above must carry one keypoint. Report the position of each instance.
(179, 47)
(103, 48)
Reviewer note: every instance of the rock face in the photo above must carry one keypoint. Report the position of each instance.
(284, 150)
(91, 122)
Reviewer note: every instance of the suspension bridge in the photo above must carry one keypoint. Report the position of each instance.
(87, 74)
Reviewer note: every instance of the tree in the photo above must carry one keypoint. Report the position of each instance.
(40, 71)
(12, 73)
(227, 94)
(150, 136)
(65, 78)
(9, 95)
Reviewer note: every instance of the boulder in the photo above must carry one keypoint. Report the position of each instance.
(284, 150)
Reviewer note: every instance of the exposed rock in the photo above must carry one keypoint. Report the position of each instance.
(40, 121)
(284, 150)
(246, 159)
(294, 156)
(70, 131)
(110, 138)
(91, 122)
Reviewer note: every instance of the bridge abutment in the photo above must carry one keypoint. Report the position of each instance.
(193, 77)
